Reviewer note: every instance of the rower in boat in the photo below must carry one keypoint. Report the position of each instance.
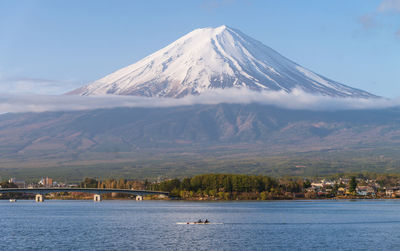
(199, 222)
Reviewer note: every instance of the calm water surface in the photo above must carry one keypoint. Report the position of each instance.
(151, 225)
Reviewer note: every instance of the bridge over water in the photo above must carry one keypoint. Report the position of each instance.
(96, 191)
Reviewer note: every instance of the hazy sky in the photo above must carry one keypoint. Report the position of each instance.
(51, 47)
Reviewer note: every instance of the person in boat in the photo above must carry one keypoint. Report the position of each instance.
(199, 221)
(206, 221)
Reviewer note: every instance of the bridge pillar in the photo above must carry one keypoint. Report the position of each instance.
(97, 198)
(39, 198)
(139, 197)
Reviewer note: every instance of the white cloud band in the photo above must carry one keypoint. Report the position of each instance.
(297, 99)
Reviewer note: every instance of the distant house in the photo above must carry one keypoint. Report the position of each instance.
(46, 182)
(328, 183)
(391, 191)
(317, 185)
(18, 183)
(344, 180)
(361, 191)
(341, 190)
(365, 190)
(311, 190)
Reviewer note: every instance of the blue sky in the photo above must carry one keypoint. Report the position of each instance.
(51, 47)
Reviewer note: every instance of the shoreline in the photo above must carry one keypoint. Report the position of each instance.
(205, 201)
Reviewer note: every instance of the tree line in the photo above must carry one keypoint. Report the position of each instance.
(230, 186)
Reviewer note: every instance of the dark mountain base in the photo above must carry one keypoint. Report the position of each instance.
(179, 141)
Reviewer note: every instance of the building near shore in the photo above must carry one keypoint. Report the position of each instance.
(46, 182)
(18, 183)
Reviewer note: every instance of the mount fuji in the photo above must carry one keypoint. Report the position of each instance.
(214, 58)
(199, 138)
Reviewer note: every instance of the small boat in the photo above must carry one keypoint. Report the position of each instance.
(13, 200)
(199, 223)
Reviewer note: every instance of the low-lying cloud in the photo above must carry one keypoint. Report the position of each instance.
(385, 7)
(389, 5)
(297, 99)
(28, 85)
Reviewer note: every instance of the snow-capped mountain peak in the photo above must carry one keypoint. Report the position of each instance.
(211, 58)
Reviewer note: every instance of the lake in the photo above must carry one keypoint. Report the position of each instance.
(151, 225)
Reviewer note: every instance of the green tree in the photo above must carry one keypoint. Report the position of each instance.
(185, 185)
(353, 185)
(7, 184)
(306, 184)
(89, 183)
(263, 195)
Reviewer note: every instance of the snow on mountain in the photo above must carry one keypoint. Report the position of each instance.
(211, 58)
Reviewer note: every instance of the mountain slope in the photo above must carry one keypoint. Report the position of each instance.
(122, 132)
(213, 58)
(187, 140)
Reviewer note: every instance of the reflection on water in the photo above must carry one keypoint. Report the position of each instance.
(152, 225)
